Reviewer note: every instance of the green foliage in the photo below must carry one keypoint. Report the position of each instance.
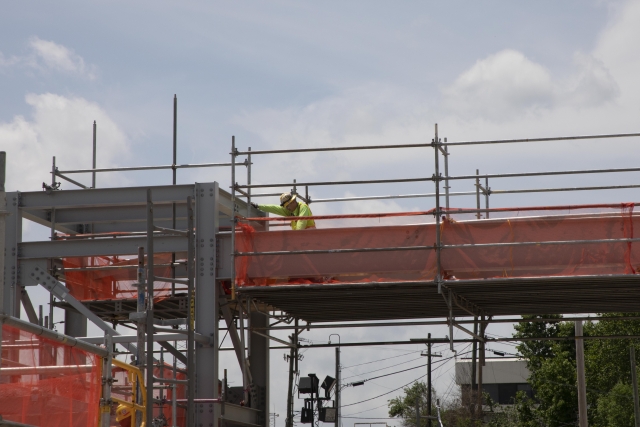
(404, 407)
(616, 407)
(553, 372)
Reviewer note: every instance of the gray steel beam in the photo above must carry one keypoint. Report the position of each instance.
(259, 362)
(207, 313)
(28, 306)
(84, 215)
(38, 276)
(97, 247)
(12, 239)
(104, 197)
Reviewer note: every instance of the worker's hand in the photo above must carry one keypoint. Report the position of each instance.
(255, 205)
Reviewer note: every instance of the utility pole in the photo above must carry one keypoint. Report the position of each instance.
(292, 355)
(634, 381)
(582, 385)
(429, 382)
(337, 398)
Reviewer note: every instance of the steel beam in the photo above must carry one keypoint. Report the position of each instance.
(12, 239)
(259, 363)
(37, 276)
(206, 301)
(99, 197)
(98, 247)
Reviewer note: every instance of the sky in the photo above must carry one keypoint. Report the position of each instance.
(295, 74)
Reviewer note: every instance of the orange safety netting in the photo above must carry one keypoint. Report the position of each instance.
(47, 383)
(122, 390)
(541, 237)
(96, 284)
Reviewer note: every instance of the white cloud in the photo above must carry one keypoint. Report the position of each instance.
(500, 85)
(507, 85)
(47, 55)
(60, 127)
(60, 58)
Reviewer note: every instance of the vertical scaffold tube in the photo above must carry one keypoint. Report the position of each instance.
(436, 178)
(93, 174)
(150, 294)
(233, 218)
(249, 183)
(191, 392)
(107, 380)
(447, 188)
(174, 170)
(486, 197)
(140, 359)
(245, 383)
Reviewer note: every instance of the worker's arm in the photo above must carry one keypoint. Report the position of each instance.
(304, 211)
(278, 210)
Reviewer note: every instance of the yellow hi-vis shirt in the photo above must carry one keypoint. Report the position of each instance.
(302, 210)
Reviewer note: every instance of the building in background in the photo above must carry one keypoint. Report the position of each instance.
(502, 378)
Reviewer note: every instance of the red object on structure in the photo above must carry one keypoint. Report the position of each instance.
(68, 396)
(520, 242)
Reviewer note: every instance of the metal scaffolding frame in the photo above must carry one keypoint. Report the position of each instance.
(189, 221)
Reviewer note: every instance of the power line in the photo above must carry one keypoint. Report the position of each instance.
(381, 369)
(380, 360)
(396, 389)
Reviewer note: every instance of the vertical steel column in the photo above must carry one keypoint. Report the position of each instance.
(582, 384)
(12, 238)
(207, 311)
(191, 317)
(93, 174)
(140, 309)
(634, 383)
(436, 178)
(149, 317)
(259, 363)
(233, 217)
(487, 193)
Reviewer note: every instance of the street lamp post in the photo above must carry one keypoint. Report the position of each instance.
(337, 395)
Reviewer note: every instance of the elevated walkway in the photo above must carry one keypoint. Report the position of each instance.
(576, 259)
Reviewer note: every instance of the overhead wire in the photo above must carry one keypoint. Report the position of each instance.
(396, 389)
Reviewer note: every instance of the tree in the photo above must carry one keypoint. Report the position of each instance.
(553, 371)
(404, 407)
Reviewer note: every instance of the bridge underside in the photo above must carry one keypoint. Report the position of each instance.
(497, 297)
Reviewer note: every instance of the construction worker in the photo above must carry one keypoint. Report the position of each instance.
(290, 206)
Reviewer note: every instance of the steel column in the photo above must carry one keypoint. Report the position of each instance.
(259, 362)
(12, 238)
(206, 303)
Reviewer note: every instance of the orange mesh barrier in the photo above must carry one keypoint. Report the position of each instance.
(525, 242)
(46, 383)
(119, 283)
